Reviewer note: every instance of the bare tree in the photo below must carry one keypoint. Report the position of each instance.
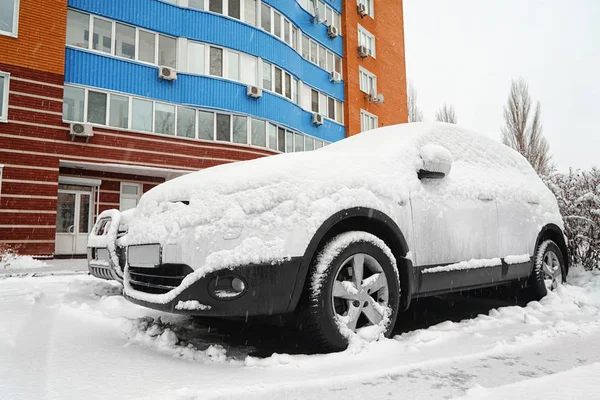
(414, 112)
(446, 114)
(523, 131)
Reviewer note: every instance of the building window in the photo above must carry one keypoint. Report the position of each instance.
(234, 9)
(130, 195)
(368, 121)
(314, 103)
(288, 86)
(365, 38)
(313, 52)
(305, 47)
(141, 115)
(298, 142)
(216, 61)
(186, 122)
(258, 134)
(339, 111)
(206, 125)
(234, 66)
(267, 78)
(146, 115)
(167, 51)
(277, 24)
(278, 81)
(196, 58)
(265, 17)
(289, 142)
(369, 5)
(196, 4)
(309, 143)
(272, 137)
(125, 41)
(215, 6)
(96, 108)
(331, 108)
(286, 32)
(224, 127)
(322, 57)
(9, 17)
(78, 29)
(368, 81)
(119, 111)
(147, 47)
(240, 129)
(102, 40)
(4, 81)
(250, 12)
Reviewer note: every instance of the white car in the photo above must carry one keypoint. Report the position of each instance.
(346, 235)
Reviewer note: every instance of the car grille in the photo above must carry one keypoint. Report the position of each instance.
(103, 273)
(158, 280)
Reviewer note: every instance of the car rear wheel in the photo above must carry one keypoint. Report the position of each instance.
(548, 270)
(354, 290)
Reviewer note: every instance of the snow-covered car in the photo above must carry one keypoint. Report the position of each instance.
(344, 236)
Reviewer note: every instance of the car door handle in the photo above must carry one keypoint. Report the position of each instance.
(533, 202)
(484, 197)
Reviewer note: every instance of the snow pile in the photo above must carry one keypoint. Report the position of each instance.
(471, 264)
(519, 259)
(191, 305)
(9, 260)
(153, 333)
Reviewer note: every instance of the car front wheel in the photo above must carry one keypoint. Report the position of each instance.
(354, 290)
(548, 269)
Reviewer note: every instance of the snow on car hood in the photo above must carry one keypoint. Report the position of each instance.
(299, 191)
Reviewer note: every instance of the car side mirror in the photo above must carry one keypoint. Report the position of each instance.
(437, 162)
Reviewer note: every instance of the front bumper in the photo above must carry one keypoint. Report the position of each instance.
(269, 288)
(101, 266)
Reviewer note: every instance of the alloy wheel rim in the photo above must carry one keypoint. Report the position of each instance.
(360, 294)
(551, 270)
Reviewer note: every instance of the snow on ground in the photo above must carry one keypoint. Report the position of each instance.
(13, 261)
(76, 337)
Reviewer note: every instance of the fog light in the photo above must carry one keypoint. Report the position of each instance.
(227, 287)
(238, 285)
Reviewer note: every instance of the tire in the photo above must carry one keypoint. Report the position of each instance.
(549, 270)
(336, 309)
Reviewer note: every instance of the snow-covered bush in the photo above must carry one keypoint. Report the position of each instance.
(578, 195)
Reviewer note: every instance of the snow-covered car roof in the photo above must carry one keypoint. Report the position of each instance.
(374, 169)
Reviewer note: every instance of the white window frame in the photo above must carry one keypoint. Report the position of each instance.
(4, 94)
(370, 7)
(129, 196)
(362, 31)
(152, 130)
(113, 52)
(366, 114)
(369, 75)
(15, 32)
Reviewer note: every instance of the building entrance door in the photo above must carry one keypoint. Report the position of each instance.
(73, 221)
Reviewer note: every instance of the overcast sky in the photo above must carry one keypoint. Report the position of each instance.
(465, 53)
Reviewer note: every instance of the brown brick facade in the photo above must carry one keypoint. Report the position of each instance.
(389, 64)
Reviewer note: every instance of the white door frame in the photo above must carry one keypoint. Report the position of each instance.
(77, 245)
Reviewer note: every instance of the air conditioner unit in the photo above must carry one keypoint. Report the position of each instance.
(253, 91)
(167, 73)
(362, 10)
(363, 51)
(376, 98)
(317, 119)
(332, 31)
(335, 77)
(79, 129)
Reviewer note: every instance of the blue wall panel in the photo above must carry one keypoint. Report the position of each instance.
(89, 69)
(223, 31)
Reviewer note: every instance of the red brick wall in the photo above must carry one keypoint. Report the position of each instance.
(389, 64)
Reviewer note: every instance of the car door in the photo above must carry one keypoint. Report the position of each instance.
(456, 235)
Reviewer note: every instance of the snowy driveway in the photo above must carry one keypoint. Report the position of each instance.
(76, 337)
